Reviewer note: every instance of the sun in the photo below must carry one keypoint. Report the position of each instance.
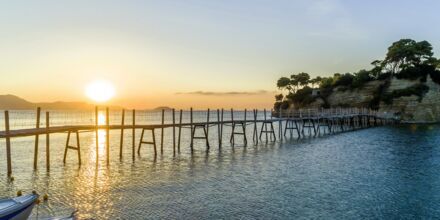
(100, 91)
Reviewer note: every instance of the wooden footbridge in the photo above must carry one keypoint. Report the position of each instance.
(264, 125)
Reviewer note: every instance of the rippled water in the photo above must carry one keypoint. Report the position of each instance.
(385, 172)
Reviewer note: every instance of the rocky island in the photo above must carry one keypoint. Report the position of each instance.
(405, 83)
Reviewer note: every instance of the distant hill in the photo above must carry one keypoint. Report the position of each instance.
(17, 103)
(14, 102)
(160, 108)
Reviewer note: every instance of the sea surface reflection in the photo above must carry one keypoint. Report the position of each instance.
(385, 172)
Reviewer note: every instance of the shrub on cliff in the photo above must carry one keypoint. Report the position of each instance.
(435, 76)
(360, 78)
(302, 97)
(418, 90)
(344, 80)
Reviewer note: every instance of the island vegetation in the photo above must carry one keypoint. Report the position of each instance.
(405, 59)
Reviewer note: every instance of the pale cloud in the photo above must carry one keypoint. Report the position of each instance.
(332, 19)
(325, 7)
(230, 93)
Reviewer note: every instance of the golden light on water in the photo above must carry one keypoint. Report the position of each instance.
(101, 137)
(101, 118)
(100, 91)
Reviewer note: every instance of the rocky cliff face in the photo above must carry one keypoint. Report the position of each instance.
(410, 109)
(354, 98)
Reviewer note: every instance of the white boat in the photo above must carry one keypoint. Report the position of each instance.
(17, 208)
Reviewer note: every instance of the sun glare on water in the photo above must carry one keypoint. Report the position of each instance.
(100, 91)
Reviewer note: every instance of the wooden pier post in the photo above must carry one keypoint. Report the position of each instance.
(121, 143)
(207, 129)
(265, 125)
(133, 135)
(161, 131)
(107, 135)
(207, 123)
(8, 144)
(280, 124)
(47, 142)
(191, 125)
(180, 130)
(255, 135)
(96, 133)
(232, 139)
(174, 131)
(245, 120)
(221, 128)
(218, 127)
(37, 126)
(68, 146)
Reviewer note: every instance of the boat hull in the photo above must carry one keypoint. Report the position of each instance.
(18, 208)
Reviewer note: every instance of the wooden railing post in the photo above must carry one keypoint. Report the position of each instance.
(37, 126)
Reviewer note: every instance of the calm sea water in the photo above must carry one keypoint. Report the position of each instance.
(385, 172)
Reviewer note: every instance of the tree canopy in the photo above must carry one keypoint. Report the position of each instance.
(405, 59)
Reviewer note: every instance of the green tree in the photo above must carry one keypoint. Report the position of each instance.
(279, 97)
(360, 78)
(316, 81)
(303, 79)
(343, 80)
(284, 83)
(406, 53)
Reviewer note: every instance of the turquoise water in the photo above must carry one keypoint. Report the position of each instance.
(385, 172)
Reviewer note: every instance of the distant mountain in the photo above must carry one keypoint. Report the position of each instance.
(17, 103)
(14, 102)
(160, 108)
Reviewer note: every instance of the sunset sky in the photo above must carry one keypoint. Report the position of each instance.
(195, 53)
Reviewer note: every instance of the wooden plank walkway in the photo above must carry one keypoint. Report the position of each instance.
(310, 120)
